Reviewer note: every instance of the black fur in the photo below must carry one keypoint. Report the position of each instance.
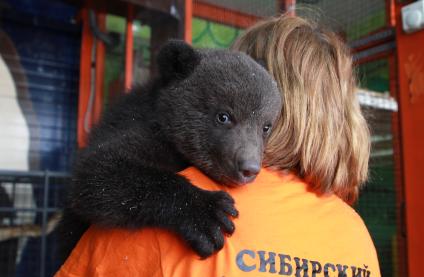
(126, 176)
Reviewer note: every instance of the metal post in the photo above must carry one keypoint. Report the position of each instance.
(99, 72)
(188, 15)
(410, 72)
(129, 44)
(44, 224)
(85, 76)
(402, 253)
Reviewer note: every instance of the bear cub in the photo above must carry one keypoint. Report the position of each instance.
(212, 109)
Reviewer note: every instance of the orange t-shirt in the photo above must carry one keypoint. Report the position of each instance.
(282, 229)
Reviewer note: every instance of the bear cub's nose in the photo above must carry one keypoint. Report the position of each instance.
(249, 168)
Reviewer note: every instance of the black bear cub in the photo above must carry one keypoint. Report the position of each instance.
(212, 109)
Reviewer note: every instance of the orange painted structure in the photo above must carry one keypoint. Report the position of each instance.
(410, 73)
(100, 68)
(219, 14)
(85, 77)
(88, 113)
(129, 45)
(188, 16)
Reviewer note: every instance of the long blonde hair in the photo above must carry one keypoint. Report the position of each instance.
(322, 134)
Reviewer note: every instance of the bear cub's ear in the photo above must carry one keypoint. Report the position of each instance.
(177, 60)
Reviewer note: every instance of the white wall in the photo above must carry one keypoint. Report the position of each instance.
(14, 133)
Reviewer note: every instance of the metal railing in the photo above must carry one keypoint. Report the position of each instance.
(30, 205)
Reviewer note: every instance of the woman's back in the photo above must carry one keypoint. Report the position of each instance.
(282, 229)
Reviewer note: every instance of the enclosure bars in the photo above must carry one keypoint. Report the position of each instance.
(33, 178)
(44, 224)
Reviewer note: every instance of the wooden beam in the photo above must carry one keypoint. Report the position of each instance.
(222, 15)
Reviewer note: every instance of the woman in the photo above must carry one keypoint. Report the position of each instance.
(322, 134)
(293, 220)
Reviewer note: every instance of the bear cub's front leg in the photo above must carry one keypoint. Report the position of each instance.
(112, 188)
(204, 219)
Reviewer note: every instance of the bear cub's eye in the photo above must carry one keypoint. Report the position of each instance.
(267, 128)
(223, 118)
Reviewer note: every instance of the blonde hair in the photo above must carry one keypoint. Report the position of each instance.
(322, 134)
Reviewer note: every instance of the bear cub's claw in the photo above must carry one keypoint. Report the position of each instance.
(209, 221)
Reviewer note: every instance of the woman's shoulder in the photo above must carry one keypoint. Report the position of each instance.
(325, 214)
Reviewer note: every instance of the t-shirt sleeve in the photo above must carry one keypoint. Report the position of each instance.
(117, 252)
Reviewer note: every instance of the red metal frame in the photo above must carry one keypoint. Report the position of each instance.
(411, 109)
(391, 13)
(225, 16)
(129, 45)
(188, 18)
(85, 77)
(401, 257)
(288, 6)
(100, 68)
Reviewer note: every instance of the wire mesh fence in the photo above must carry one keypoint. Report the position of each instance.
(351, 18)
(30, 204)
(378, 203)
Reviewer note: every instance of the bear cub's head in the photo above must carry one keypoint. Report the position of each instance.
(218, 107)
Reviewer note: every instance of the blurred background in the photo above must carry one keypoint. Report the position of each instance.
(63, 62)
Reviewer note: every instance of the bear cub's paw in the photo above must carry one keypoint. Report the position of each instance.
(207, 221)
